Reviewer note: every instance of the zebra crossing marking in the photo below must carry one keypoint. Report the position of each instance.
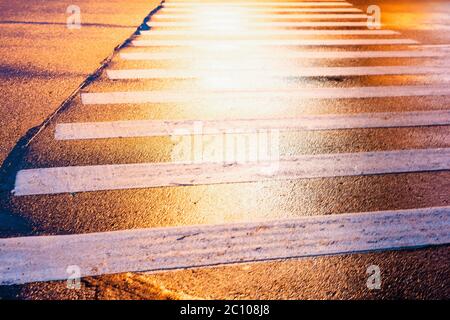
(297, 72)
(150, 128)
(290, 55)
(167, 32)
(46, 258)
(288, 42)
(173, 96)
(286, 24)
(150, 175)
(312, 16)
(268, 9)
(337, 3)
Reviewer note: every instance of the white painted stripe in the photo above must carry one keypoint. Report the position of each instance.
(245, 2)
(149, 175)
(267, 9)
(436, 45)
(337, 3)
(221, 27)
(264, 72)
(46, 258)
(150, 128)
(290, 42)
(433, 46)
(264, 93)
(258, 4)
(166, 32)
(287, 55)
(224, 18)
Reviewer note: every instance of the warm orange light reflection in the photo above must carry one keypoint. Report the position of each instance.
(224, 54)
(215, 57)
(220, 19)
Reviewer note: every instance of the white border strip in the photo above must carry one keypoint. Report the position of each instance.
(150, 128)
(294, 72)
(440, 46)
(173, 96)
(337, 3)
(214, 26)
(270, 32)
(224, 18)
(268, 9)
(287, 55)
(45, 258)
(288, 42)
(151, 175)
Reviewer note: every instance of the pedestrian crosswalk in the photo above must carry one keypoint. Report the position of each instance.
(335, 55)
(340, 42)
(198, 246)
(154, 96)
(287, 53)
(148, 175)
(257, 4)
(299, 72)
(268, 9)
(270, 32)
(149, 128)
(311, 16)
(217, 25)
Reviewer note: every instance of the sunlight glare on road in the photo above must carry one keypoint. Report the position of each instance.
(229, 62)
(220, 19)
(218, 60)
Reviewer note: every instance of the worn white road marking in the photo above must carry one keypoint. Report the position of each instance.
(294, 72)
(289, 42)
(149, 175)
(148, 128)
(221, 27)
(45, 258)
(281, 32)
(264, 9)
(173, 96)
(288, 55)
(312, 16)
(245, 2)
(439, 46)
(258, 4)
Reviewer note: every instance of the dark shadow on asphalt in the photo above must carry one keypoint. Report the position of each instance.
(12, 224)
(10, 292)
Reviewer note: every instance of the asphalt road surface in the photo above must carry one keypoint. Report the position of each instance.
(282, 150)
(43, 61)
